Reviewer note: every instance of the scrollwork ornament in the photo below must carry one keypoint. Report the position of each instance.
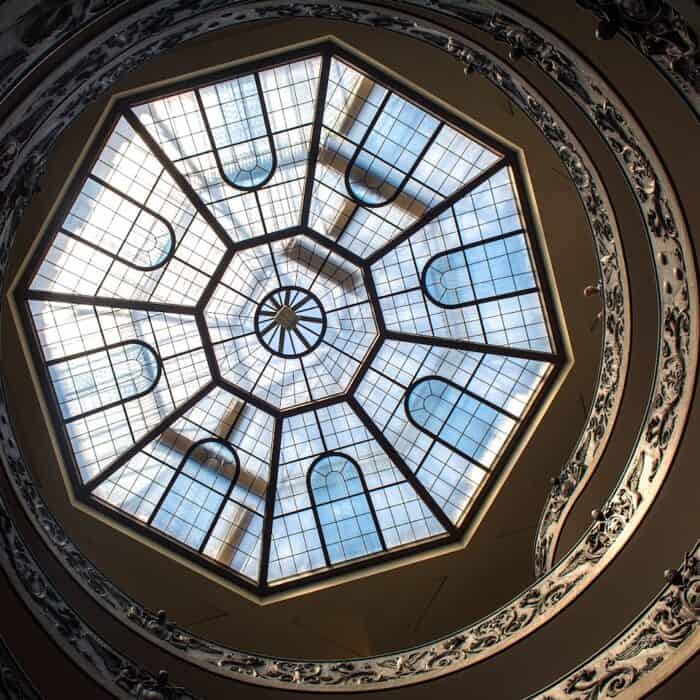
(659, 32)
(160, 26)
(92, 653)
(14, 684)
(671, 621)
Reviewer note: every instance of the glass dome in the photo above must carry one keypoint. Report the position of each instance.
(290, 318)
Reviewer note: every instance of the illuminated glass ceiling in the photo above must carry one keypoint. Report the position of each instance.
(290, 318)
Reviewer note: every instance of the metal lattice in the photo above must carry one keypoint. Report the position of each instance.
(297, 267)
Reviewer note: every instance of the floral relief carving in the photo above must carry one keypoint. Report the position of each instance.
(24, 144)
(61, 622)
(14, 684)
(658, 31)
(672, 620)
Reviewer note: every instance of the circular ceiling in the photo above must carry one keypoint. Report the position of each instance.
(291, 319)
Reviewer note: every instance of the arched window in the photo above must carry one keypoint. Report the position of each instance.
(468, 424)
(343, 510)
(238, 128)
(193, 501)
(480, 272)
(118, 226)
(99, 379)
(391, 149)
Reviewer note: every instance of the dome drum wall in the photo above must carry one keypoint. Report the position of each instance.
(680, 349)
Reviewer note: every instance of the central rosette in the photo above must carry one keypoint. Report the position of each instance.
(290, 322)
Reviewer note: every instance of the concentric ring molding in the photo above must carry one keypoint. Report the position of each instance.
(657, 643)
(646, 469)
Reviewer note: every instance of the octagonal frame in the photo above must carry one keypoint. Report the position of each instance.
(333, 247)
(556, 358)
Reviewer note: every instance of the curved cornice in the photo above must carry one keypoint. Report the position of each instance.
(659, 32)
(14, 684)
(133, 41)
(648, 651)
(81, 643)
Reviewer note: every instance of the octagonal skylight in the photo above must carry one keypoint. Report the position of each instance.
(290, 318)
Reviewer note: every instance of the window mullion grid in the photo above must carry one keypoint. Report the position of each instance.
(469, 274)
(210, 137)
(366, 494)
(535, 255)
(373, 297)
(274, 262)
(181, 181)
(470, 346)
(438, 209)
(347, 222)
(381, 487)
(268, 519)
(215, 150)
(178, 470)
(148, 437)
(205, 297)
(320, 432)
(168, 489)
(114, 374)
(223, 503)
(162, 359)
(314, 507)
(320, 269)
(142, 208)
(415, 165)
(261, 374)
(424, 301)
(116, 255)
(319, 528)
(306, 379)
(111, 302)
(339, 350)
(436, 436)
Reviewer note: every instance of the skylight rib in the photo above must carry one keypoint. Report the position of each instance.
(360, 112)
(203, 480)
(261, 121)
(459, 410)
(126, 205)
(291, 319)
(338, 430)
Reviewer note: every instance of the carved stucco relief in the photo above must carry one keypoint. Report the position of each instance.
(158, 28)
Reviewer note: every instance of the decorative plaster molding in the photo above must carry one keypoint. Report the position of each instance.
(163, 25)
(14, 684)
(649, 650)
(81, 643)
(649, 182)
(658, 31)
(31, 31)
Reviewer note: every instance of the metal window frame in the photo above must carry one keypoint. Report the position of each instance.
(122, 108)
(464, 392)
(179, 469)
(142, 208)
(123, 399)
(461, 249)
(309, 347)
(361, 148)
(315, 504)
(215, 149)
